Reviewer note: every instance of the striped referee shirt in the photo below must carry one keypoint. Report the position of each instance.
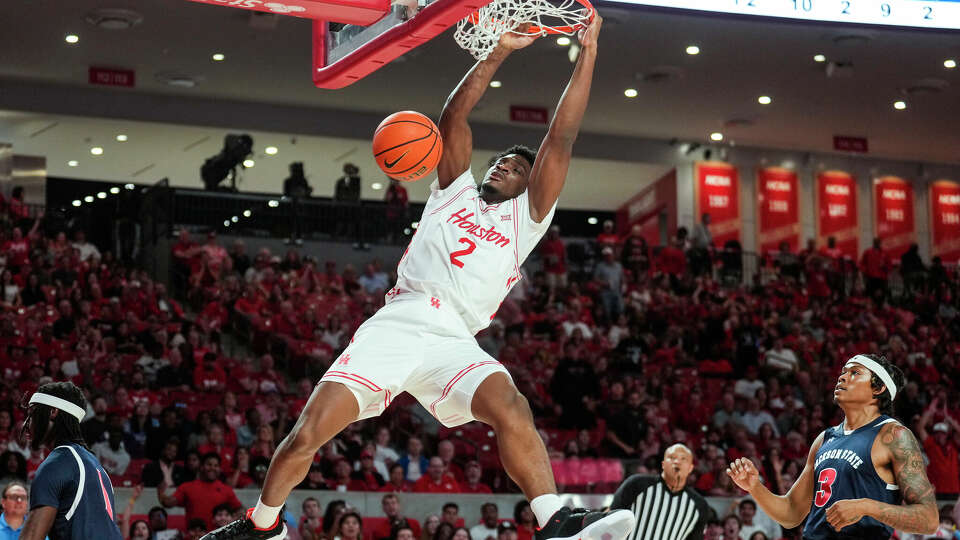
(661, 514)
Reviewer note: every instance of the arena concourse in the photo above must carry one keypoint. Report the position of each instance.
(198, 331)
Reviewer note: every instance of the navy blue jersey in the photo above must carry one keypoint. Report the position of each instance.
(72, 481)
(844, 470)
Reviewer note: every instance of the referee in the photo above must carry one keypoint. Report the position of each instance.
(664, 507)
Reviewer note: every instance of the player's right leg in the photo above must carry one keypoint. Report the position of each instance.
(331, 407)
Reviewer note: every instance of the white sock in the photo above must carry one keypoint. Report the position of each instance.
(264, 516)
(545, 506)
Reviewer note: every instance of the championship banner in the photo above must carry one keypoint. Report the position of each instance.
(893, 214)
(945, 220)
(717, 192)
(778, 209)
(836, 194)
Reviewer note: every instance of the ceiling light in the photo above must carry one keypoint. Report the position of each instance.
(630, 92)
(247, 213)
(114, 190)
(693, 49)
(950, 64)
(765, 100)
(819, 58)
(899, 105)
(235, 219)
(96, 150)
(218, 57)
(273, 203)
(72, 163)
(563, 41)
(376, 185)
(102, 195)
(226, 223)
(128, 186)
(249, 163)
(415, 224)
(76, 202)
(271, 150)
(71, 38)
(592, 220)
(495, 84)
(121, 138)
(88, 198)
(716, 136)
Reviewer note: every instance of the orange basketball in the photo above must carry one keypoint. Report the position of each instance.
(407, 146)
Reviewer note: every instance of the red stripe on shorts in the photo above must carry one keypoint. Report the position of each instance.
(350, 378)
(456, 378)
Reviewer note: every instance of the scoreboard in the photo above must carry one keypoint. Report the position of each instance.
(941, 14)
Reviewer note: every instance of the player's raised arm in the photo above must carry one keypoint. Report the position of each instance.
(918, 513)
(553, 158)
(457, 137)
(39, 522)
(788, 510)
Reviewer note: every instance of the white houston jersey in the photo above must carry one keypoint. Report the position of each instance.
(468, 253)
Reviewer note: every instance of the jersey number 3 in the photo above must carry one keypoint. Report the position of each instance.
(826, 480)
(455, 256)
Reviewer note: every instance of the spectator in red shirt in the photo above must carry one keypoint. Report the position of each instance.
(342, 481)
(397, 203)
(390, 504)
(525, 519)
(608, 238)
(447, 452)
(673, 262)
(875, 266)
(472, 484)
(199, 497)
(368, 473)
(208, 376)
(554, 254)
(397, 482)
(944, 469)
(215, 444)
(436, 480)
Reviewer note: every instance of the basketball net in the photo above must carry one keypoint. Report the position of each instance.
(480, 32)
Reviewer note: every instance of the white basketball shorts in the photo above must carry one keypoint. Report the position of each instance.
(418, 345)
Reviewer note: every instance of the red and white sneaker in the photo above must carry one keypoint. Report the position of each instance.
(244, 529)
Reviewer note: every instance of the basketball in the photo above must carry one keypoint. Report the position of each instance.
(407, 146)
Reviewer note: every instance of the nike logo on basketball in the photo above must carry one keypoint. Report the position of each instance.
(390, 164)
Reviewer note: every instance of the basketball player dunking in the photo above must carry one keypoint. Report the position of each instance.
(863, 478)
(462, 262)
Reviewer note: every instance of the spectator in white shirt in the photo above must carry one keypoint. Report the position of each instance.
(747, 388)
(384, 455)
(754, 418)
(86, 249)
(781, 358)
(111, 453)
(489, 518)
(373, 281)
(753, 520)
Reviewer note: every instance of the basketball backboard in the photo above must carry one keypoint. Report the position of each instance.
(354, 38)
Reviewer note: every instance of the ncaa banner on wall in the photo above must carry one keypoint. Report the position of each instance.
(836, 203)
(893, 220)
(778, 209)
(717, 192)
(945, 220)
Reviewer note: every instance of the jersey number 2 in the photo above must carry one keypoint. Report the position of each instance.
(826, 480)
(454, 257)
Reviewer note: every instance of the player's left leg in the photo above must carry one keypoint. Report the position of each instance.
(477, 387)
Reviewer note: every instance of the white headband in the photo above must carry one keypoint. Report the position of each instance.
(877, 370)
(58, 403)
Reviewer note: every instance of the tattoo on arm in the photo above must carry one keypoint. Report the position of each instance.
(918, 510)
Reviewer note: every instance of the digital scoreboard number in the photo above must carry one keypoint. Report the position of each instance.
(942, 14)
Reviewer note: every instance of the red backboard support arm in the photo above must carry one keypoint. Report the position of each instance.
(361, 12)
(432, 20)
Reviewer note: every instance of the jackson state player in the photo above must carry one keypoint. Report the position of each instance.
(863, 478)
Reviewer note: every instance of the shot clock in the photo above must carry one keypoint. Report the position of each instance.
(942, 14)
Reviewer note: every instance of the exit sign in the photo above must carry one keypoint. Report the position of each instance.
(531, 115)
(850, 144)
(125, 78)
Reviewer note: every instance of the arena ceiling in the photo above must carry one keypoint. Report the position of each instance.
(679, 96)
